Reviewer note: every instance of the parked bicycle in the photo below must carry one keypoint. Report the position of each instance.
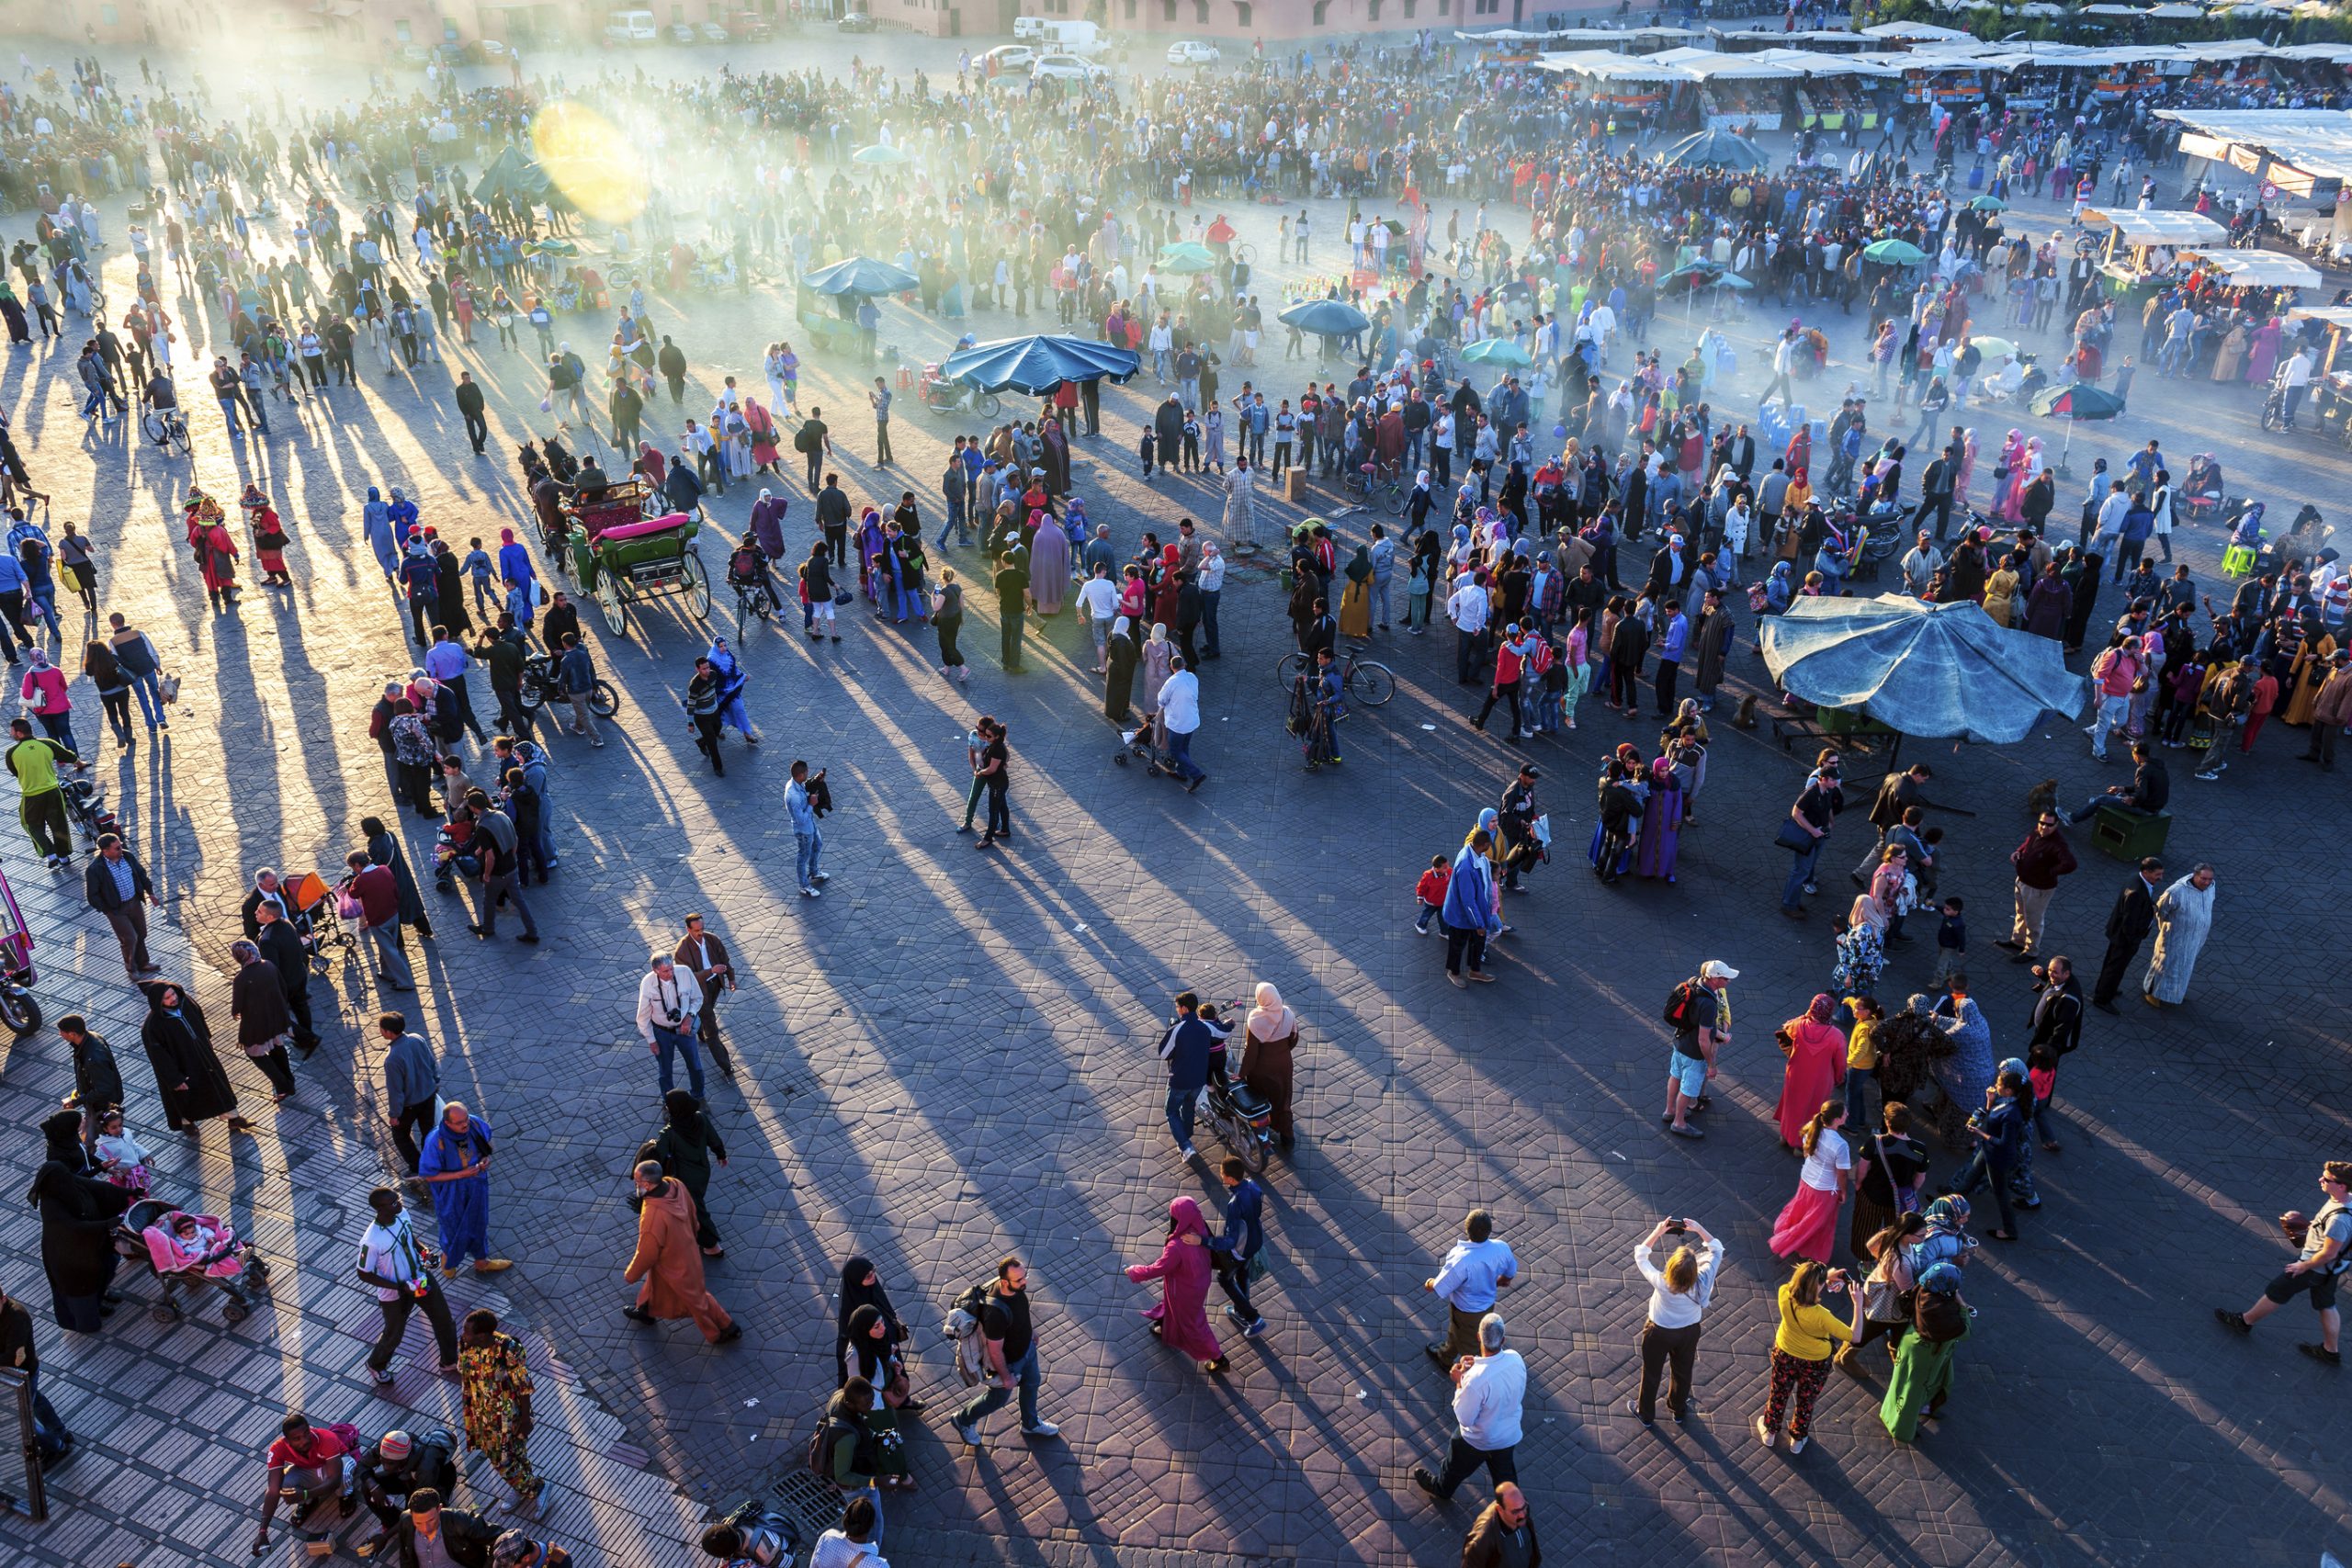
(1375, 485)
(1368, 681)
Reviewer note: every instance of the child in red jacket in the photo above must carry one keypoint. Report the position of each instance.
(1431, 892)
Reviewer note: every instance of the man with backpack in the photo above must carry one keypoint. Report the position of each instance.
(1694, 1011)
(1008, 1352)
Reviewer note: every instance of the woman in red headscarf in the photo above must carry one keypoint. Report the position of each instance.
(1183, 1268)
(1815, 1049)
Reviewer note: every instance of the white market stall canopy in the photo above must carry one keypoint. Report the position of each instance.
(2316, 143)
(1600, 65)
(2157, 228)
(1915, 31)
(1707, 65)
(2336, 316)
(2260, 269)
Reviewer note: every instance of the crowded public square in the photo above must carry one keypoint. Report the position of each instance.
(832, 797)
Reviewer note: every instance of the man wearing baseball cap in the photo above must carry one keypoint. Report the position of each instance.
(516, 1549)
(1699, 1015)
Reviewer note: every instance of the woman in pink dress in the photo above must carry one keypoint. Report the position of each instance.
(1183, 1270)
(1807, 1226)
(1817, 1065)
(760, 426)
(2012, 486)
(1967, 468)
(2262, 353)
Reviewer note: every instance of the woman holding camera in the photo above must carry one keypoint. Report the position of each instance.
(1678, 1294)
(1801, 1348)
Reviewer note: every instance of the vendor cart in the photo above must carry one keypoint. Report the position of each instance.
(623, 547)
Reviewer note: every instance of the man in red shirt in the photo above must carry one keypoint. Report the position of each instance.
(308, 1467)
(379, 896)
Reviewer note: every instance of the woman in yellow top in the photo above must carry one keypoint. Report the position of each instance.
(1808, 1332)
(1999, 590)
(1861, 1058)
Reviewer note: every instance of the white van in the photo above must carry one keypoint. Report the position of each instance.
(630, 27)
(1030, 30)
(1074, 38)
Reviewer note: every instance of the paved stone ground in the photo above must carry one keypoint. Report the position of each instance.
(946, 1058)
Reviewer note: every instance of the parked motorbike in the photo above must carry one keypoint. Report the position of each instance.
(19, 1008)
(944, 396)
(543, 687)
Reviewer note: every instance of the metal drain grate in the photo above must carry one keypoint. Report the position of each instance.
(813, 1505)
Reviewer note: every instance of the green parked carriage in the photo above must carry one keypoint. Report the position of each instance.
(625, 545)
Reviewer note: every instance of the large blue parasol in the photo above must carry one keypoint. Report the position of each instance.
(1327, 318)
(1924, 670)
(861, 275)
(1037, 364)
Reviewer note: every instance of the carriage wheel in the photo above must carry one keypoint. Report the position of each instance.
(697, 587)
(234, 1312)
(608, 596)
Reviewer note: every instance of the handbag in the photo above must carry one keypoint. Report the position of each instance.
(1793, 838)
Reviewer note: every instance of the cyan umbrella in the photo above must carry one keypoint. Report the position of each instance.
(1989, 204)
(1926, 670)
(1993, 348)
(1718, 148)
(1187, 257)
(879, 155)
(1327, 318)
(1037, 364)
(862, 276)
(1895, 252)
(1497, 351)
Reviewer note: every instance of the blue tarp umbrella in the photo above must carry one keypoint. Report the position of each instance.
(1924, 670)
(1037, 364)
(1327, 318)
(861, 275)
(1497, 351)
(1720, 148)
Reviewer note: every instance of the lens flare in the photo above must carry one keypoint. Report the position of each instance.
(590, 161)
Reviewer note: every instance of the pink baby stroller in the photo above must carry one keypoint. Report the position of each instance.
(191, 1253)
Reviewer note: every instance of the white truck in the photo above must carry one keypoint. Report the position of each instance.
(630, 27)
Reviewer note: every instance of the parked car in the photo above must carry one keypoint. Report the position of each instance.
(414, 54)
(491, 49)
(682, 32)
(1007, 57)
(713, 33)
(1067, 68)
(857, 22)
(1192, 52)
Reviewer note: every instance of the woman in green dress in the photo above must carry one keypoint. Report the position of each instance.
(1922, 1377)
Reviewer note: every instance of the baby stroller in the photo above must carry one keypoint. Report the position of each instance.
(318, 914)
(1147, 740)
(453, 855)
(190, 1253)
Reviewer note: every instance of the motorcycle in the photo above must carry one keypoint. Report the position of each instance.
(85, 803)
(19, 1008)
(543, 687)
(944, 396)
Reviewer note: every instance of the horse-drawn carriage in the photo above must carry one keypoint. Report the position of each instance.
(627, 545)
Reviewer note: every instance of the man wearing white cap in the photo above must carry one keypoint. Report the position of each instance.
(1700, 1014)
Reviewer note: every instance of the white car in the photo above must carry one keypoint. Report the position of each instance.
(1192, 51)
(1007, 57)
(1069, 67)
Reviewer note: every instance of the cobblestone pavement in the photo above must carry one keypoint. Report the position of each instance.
(947, 1058)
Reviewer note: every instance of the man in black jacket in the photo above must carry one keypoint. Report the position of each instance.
(282, 945)
(2057, 1024)
(833, 516)
(2127, 927)
(1897, 794)
(470, 405)
(2150, 789)
(117, 885)
(431, 1533)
